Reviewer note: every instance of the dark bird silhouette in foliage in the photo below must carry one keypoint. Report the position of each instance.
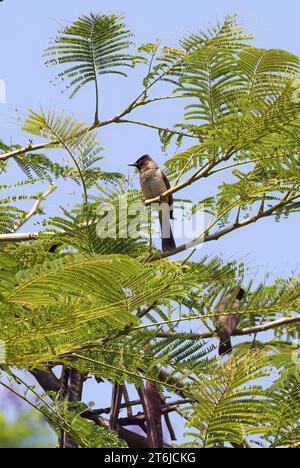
(227, 323)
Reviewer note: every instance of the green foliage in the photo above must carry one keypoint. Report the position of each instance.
(228, 402)
(284, 430)
(35, 165)
(79, 229)
(75, 298)
(12, 215)
(84, 432)
(93, 45)
(82, 147)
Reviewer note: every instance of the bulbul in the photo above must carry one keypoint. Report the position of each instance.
(154, 183)
(227, 324)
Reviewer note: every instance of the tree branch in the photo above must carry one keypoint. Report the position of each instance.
(261, 214)
(242, 332)
(47, 380)
(156, 127)
(205, 237)
(139, 101)
(24, 237)
(107, 410)
(165, 409)
(127, 401)
(201, 173)
(24, 150)
(34, 210)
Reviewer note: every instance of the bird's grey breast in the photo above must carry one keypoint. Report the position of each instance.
(152, 183)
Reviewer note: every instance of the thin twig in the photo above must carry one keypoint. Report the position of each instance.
(156, 127)
(107, 410)
(166, 407)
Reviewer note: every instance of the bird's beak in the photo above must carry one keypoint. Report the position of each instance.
(132, 165)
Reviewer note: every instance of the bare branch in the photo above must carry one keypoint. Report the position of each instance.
(108, 409)
(165, 409)
(170, 427)
(47, 380)
(133, 440)
(34, 210)
(24, 237)
(24, 150)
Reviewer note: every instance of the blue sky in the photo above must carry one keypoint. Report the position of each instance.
(24, 31)
(25, 27)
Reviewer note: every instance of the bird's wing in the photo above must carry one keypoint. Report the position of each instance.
(230, 321)
(170, 197)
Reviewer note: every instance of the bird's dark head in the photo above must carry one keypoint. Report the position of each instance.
(241, 294)
(143, 162)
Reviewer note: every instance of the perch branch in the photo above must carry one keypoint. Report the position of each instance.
(242, 332)
(205, 237)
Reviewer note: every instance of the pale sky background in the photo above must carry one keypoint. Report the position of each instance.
(25, 27)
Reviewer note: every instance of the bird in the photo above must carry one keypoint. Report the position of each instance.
(227, 324)
(154, 183)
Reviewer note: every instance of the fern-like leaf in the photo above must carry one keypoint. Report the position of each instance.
(89, 47)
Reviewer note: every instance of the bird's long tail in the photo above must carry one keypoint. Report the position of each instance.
(225, 346)
(167, 238)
